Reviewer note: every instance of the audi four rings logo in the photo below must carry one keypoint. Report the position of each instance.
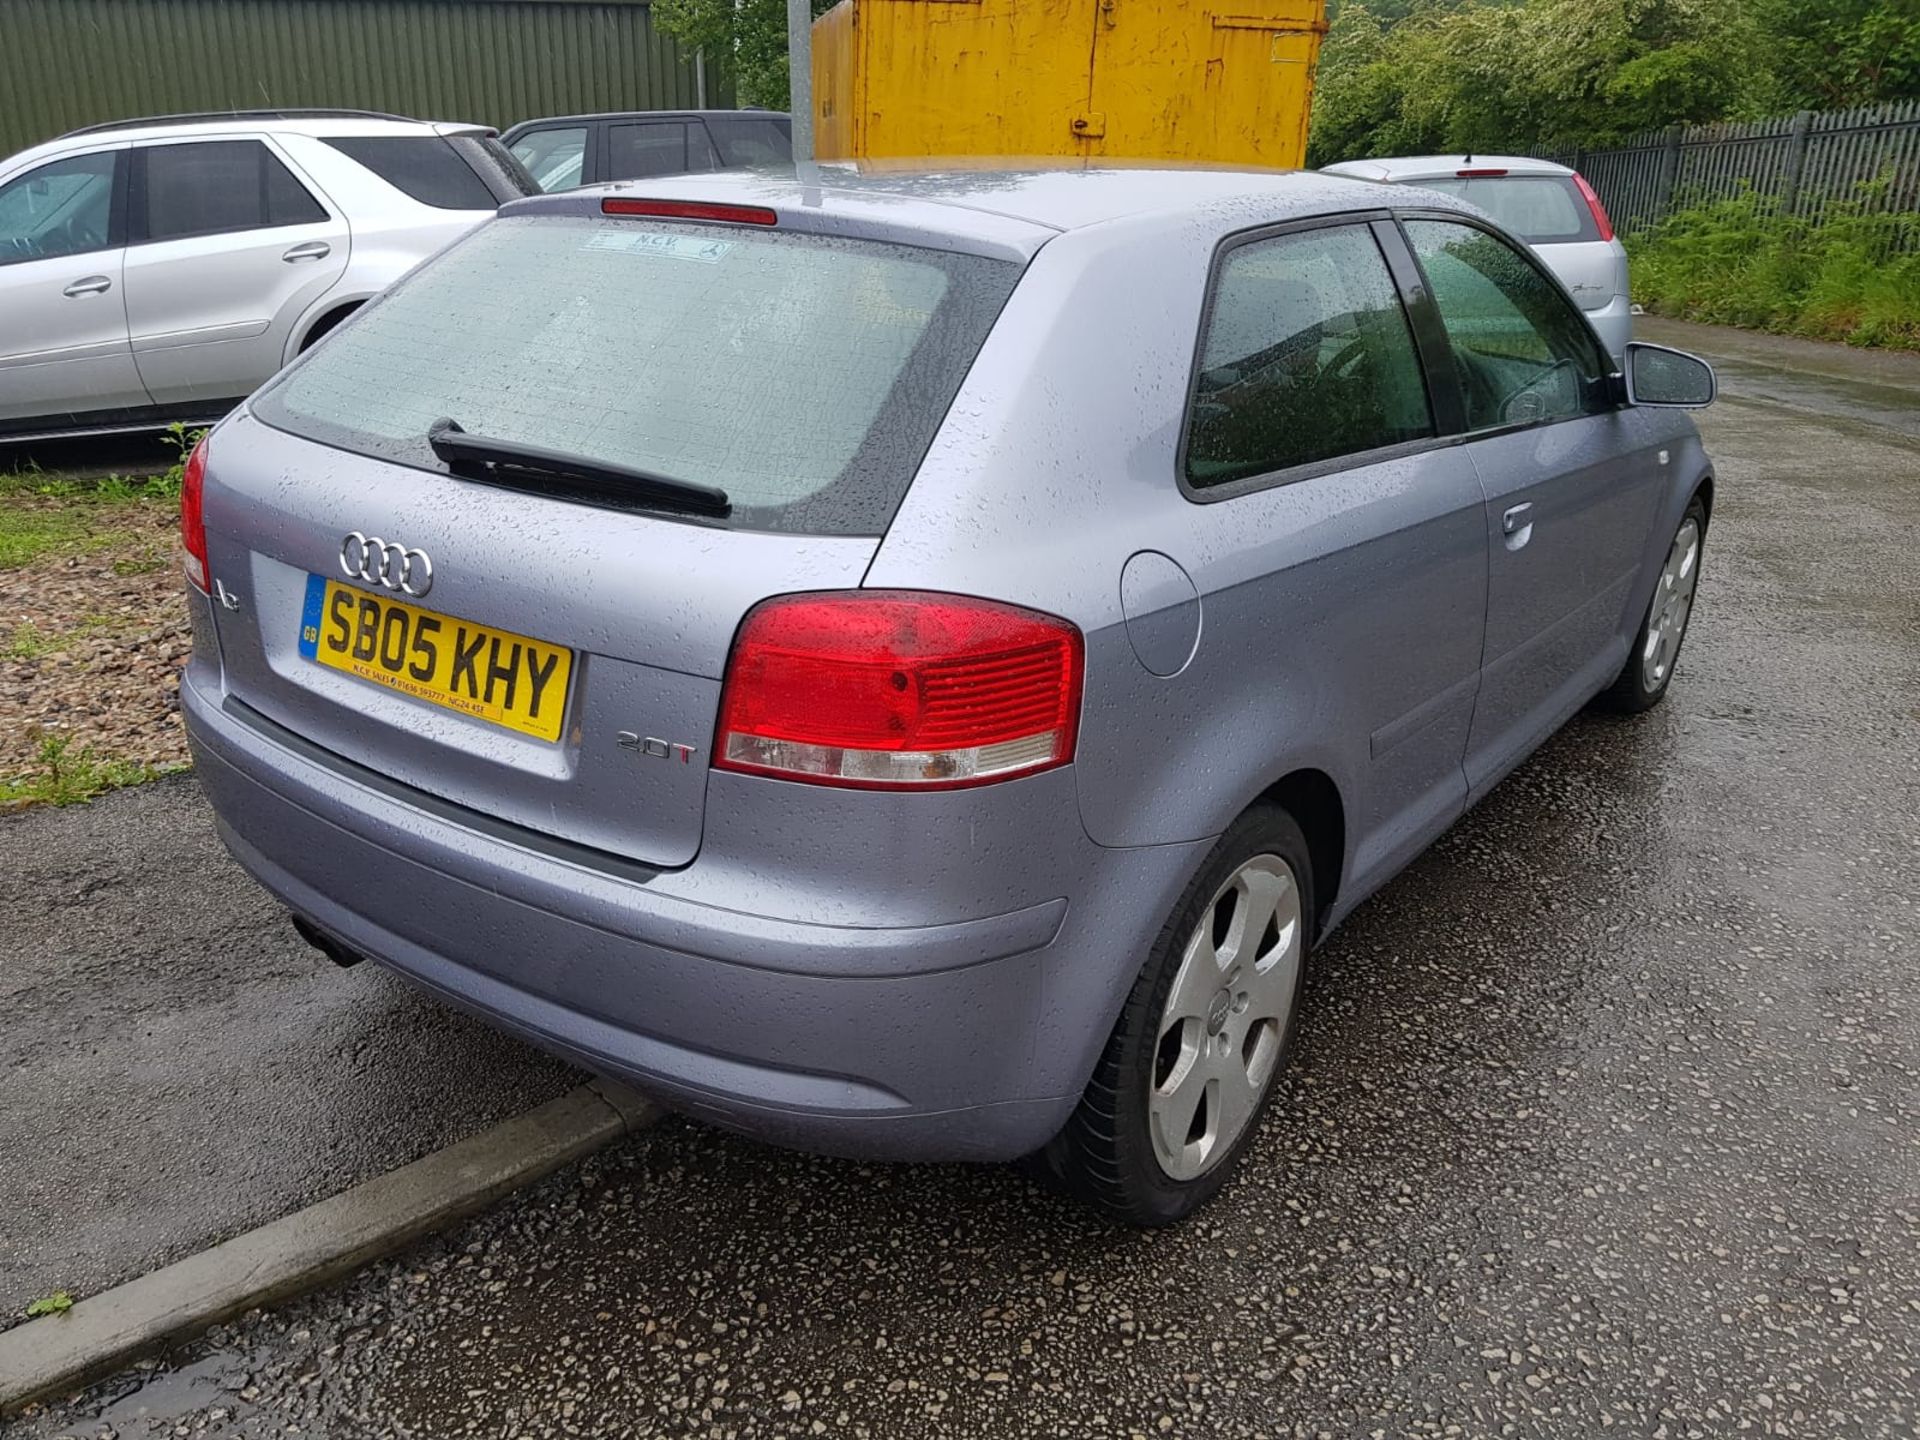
(386, 563)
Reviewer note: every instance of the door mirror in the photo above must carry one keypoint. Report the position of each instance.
(1669, 379)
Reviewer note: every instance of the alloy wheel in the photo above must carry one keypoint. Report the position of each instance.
(1672, 607)
(1225, 1020)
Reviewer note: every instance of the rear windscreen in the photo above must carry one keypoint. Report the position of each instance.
(804, 375)
(1540, 209)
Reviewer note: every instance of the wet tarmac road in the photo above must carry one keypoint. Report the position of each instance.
(1601, 1120)
(176, 1065)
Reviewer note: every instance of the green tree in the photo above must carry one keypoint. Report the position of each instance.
(1392, 10)
(1489, 77)
(749, 37)
(1835, 54)
(1358, 90)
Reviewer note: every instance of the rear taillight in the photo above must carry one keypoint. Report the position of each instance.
(193, 519)
(899, 690)
(1592, 198)
(1481, 174)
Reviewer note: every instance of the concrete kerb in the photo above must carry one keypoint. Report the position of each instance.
(310, 1247)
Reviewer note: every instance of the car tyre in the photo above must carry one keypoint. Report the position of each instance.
(1644, 680)
(1197, 1053)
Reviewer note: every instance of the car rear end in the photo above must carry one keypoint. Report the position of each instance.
(1554, 209)
(532, 660)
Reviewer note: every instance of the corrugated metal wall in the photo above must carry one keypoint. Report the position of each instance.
(67, 63)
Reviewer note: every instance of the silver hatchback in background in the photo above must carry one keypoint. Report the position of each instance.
(1549, 206)
(913, 665)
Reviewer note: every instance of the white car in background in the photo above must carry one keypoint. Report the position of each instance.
(1549, 206)
(160, 270)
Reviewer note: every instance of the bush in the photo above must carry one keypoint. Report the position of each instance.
(1855, 277)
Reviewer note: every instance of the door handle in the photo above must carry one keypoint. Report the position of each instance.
(311, 250)
(92, 285)
(1516, 519)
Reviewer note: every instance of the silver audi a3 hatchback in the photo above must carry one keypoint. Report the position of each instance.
(911, 666)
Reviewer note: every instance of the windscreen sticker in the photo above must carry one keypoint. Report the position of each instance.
(652, 242)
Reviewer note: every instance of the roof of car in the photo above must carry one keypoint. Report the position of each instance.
(1442, 167)
(332, 123)
(544, 121)
(1056, 197)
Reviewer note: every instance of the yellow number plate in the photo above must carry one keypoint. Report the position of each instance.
(505, 678)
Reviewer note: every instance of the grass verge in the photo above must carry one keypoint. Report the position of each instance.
(65, 776)
(1854, 278)
(43, 513)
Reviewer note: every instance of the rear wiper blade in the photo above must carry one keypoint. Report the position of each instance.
(510, 462)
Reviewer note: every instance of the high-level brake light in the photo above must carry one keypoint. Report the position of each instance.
(690, 210)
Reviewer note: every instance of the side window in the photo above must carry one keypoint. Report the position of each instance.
(288, 201)
(1524, 354)
(64, 207)
(751, 142)
(1308, 355)
(214, 187)
(555, 158)
(700, 151)
(654, 147)
(422, 167)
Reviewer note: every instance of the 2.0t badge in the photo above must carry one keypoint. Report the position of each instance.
(653, 747)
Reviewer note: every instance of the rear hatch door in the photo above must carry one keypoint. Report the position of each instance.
(1594, 271)
(545, 647)
(608, 630)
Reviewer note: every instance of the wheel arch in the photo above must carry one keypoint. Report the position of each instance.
(1704, 490)
(1313, 799)
(324, 323)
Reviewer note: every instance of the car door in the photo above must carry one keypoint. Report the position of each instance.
(1341, 554)
(64, 354)
(640, 148)
(227, 248)
(1571, 485)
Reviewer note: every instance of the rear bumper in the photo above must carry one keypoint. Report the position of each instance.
(965, 1040)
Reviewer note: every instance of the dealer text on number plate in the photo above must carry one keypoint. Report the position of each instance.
(498, 676)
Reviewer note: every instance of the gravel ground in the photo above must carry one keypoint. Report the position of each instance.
(91, 643)
(1602, 1120)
